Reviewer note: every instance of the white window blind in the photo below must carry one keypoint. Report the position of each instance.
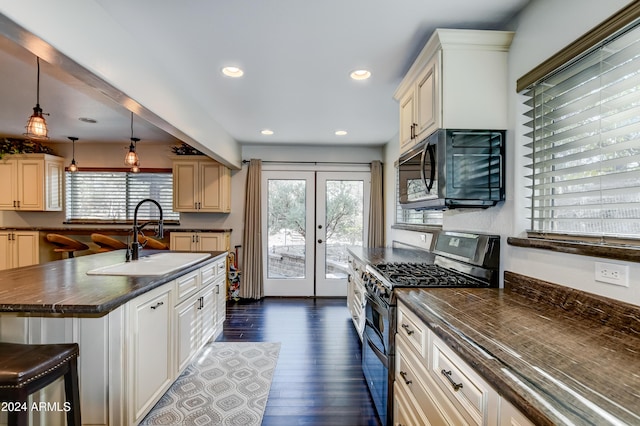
(113, 196)
(585, 148)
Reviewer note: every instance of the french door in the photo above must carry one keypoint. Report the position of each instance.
(309, 218)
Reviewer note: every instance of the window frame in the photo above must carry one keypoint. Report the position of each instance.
(568, 56)
(170, 217)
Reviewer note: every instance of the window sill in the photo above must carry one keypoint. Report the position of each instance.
(417, 227)
(629, 254)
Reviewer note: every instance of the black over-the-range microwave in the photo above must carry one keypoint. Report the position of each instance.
(453, 169)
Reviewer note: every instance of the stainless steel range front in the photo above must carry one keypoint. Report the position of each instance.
(461, 260)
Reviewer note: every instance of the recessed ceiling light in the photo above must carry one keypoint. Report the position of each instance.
(360, 74)
(232, 72)
(266, 132)
(340, 132)
(88, 120)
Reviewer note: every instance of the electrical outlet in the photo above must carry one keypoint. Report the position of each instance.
(612, 273)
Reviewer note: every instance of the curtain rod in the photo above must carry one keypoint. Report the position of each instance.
(311, 162)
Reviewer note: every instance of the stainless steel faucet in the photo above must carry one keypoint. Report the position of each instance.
(135, 245)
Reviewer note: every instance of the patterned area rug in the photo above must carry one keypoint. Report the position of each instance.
(227, 385)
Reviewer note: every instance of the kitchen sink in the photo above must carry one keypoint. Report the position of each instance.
(152, 265)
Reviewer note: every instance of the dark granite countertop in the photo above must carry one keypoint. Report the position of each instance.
(561, 356)
(63, 286)
(374, 256)
(563, 362)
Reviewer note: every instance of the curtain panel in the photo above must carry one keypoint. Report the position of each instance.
(376, 209)
(252, 285)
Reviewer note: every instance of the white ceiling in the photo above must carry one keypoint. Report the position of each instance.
(297, 56)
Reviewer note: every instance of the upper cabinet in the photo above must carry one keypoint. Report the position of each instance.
(31, 182)
(458, 81)
(200, 185)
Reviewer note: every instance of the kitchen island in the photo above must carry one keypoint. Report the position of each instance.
(560, 356)
(136, 333)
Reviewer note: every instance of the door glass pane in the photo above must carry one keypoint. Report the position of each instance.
(344, 224)
(286, 215)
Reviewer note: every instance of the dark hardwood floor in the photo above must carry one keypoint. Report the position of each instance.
(318, 379)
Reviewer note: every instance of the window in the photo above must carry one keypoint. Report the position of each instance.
(112, 196)
(415, 217)
(585, 142)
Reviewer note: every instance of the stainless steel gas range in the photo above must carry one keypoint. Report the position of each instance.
(457, 260)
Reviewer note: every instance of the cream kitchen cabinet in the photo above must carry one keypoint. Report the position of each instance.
(19, 248)
(508, 415)
(128, 354)
(220, 291)
(458, 81)
(197, 311)
(419, 107)
(356, 294)
(195, 320)
(201, 185)
(31, 182)
(434, 386)
(200, 241)
(151, 367)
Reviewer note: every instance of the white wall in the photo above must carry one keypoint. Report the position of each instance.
(542, 29)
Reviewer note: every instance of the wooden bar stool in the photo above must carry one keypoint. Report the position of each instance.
(107, 243)
(25, 369)
(152, 243)
(65, 244)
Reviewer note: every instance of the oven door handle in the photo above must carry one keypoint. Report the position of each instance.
(381, 356)
(368, 323)
(370, 326)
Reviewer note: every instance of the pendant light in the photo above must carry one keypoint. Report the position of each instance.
(73, 167)
(37, 126)
(131, 159)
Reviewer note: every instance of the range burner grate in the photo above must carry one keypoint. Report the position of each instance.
(425, 275)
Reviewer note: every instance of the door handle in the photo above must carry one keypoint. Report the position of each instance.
(319, 241)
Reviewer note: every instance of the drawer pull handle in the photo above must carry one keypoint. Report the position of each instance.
(157, 305)
(447, 374)
(406, 328)
(404, 377)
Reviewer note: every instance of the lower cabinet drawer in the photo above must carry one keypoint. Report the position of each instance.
(404, 412)
(208, 273)
(188, 284)
(424, 399)
(409, 326)
(459, 383)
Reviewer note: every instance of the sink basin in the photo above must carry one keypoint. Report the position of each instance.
(152, 265)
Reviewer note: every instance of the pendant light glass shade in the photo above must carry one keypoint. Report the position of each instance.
(131, 158)
(37, 125)
(73, 167)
